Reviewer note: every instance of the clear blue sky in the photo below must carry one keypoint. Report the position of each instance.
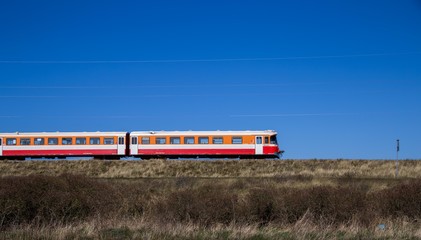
(336, 79)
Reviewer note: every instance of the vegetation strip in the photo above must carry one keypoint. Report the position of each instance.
(216, 200)
(218, 168)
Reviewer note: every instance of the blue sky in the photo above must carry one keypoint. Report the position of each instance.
(336, 79)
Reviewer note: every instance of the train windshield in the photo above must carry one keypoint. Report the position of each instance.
(273, 139)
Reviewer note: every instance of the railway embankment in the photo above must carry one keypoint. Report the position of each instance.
(215, 168)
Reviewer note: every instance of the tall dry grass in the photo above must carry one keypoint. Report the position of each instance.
(221, 168)
(246, 199)
(75, 206)
(40, 200)
(141, 229)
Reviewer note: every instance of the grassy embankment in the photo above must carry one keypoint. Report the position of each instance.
(314, 199)
(233, 168)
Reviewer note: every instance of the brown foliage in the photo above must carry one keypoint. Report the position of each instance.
(403, 200)
(72, 198)
(45, 199)
(288, 205)
(205, 205)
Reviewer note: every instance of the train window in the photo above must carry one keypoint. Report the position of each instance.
(66, 141)
(273, 139)
(134, 140)
(258, 140)
(25, 141)
(161, 140)
(108, 141)
(39, 141)
(121, 140)
(237, 140)
(10, 141)
(145, 140)
(217, 140)
(52, 141)
(0, 141)
(175, 140)
(203, 140)
(189, 140)
(80, 141)
(266, 140)
(94, 141)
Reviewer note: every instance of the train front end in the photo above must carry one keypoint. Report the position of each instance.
(266, 145)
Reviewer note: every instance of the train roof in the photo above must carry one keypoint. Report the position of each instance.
(138, 133)
(37, 134)
(204, 133)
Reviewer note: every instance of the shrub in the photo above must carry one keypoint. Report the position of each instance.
(262, 206)
(73, 198)
(44, 199)
(288, 205)
(205, 205)
(403, 200)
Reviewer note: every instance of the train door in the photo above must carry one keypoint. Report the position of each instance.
(133, 146)
(1, 146)
(121, 147)
(259, 145)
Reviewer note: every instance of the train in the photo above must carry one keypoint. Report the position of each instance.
(140, 145)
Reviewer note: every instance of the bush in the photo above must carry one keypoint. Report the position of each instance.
(403, 200)
(262, 205)
(205, 205)
(288, 205)
(72, 198)
(44, 199)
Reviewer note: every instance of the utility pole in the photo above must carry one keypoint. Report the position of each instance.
(397, 159)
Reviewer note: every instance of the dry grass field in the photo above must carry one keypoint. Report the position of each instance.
(235, 199)
(215, 168)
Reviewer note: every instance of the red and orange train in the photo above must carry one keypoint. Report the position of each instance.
(140, 144)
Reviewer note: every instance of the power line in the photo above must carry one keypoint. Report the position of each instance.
(201, 60)
(292, 115)
(175, 116)
(202, 95)
(169, 86)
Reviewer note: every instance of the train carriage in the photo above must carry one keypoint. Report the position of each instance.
(63, 144)
(140, 144)
(243, 144)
